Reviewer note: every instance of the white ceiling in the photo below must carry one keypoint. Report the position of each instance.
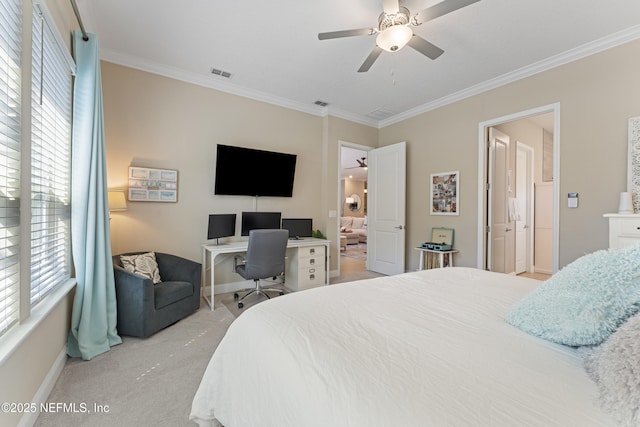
(273, 53)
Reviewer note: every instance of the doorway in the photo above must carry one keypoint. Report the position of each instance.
(518, 164)
(352, 221)
(382, 215)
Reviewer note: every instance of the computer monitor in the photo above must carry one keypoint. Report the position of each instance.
(221, 225)
(259, 220)
(298, 227)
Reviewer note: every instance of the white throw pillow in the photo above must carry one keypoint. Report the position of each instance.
(346, 221)
(358, 223)
(142, 264)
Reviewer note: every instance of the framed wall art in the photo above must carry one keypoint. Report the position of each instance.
(153, 185)
(445, 193)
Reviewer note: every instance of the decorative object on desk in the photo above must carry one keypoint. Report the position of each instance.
(444, 193)
(317, 234)
(153, 185)
(633, 166)
(626, 203)
(116, 201)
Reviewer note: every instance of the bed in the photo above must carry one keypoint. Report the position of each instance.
(428, 348)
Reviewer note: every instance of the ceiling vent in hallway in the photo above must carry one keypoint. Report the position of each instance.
(221, 73)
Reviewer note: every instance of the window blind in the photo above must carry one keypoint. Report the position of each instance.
(50, 162)
(10, 136)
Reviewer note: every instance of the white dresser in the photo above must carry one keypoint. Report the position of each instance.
(307, 270)
(624, 229)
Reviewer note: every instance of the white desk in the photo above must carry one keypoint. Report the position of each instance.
(435, 259)
(307, 264)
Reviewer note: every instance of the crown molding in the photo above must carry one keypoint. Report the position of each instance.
(563, 58)
(207, 81)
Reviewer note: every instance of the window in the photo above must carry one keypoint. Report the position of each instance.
(47, 147)
(50, 161)
(10, 137)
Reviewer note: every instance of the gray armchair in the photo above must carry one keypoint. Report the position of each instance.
(145, 308)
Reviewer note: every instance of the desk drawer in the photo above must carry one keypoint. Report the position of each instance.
(310, 277)
(316, 261)
(311, 251)
(630, 227)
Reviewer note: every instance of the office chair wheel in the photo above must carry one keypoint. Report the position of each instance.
(235, 296)
(240, 305)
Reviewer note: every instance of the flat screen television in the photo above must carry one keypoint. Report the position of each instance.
(221, 225)
(244, 171)
(298, 227)
(259, 220)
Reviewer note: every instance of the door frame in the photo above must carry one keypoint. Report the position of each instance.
(355, 146)
(530, 218)
(482, 177)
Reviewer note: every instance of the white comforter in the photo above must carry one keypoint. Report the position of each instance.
(429, 348)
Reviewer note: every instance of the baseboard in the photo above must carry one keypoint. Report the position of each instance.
(41, 396)
(542, 270)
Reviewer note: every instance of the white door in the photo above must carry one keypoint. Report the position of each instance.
(543, 255)
(524, 201)
(497, 217)
(386, 209)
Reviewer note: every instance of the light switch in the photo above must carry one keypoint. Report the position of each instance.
(572, 200)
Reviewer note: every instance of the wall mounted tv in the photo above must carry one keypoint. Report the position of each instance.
(244, 171)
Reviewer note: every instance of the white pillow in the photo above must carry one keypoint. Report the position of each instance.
(345, 221)
(142, 264)
(358, 222)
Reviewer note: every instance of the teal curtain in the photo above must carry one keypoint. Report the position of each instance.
(93, 321)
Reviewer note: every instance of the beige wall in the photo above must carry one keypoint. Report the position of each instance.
(159, 122)
(155, 121)
(596, 94)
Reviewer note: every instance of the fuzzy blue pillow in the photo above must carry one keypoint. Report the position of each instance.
(584, 302)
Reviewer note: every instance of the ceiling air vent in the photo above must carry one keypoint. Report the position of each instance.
(221, 73)
(321, 103)
(380, 114)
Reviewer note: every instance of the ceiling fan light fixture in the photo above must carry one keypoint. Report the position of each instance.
(394, 38)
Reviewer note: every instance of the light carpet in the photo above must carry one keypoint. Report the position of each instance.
(142, 382)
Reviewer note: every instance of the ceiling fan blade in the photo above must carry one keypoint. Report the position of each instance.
(370, 59)
(440, 9)
(346, 33)
(390, 6)
(424, 47)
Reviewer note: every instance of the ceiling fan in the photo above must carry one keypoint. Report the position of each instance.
(394, 32)
(361, 163)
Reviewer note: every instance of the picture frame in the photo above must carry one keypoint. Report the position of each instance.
(445, 193)
(152, 185)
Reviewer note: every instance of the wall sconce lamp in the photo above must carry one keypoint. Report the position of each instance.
(116, 201)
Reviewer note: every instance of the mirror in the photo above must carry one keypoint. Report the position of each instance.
(355, 203)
